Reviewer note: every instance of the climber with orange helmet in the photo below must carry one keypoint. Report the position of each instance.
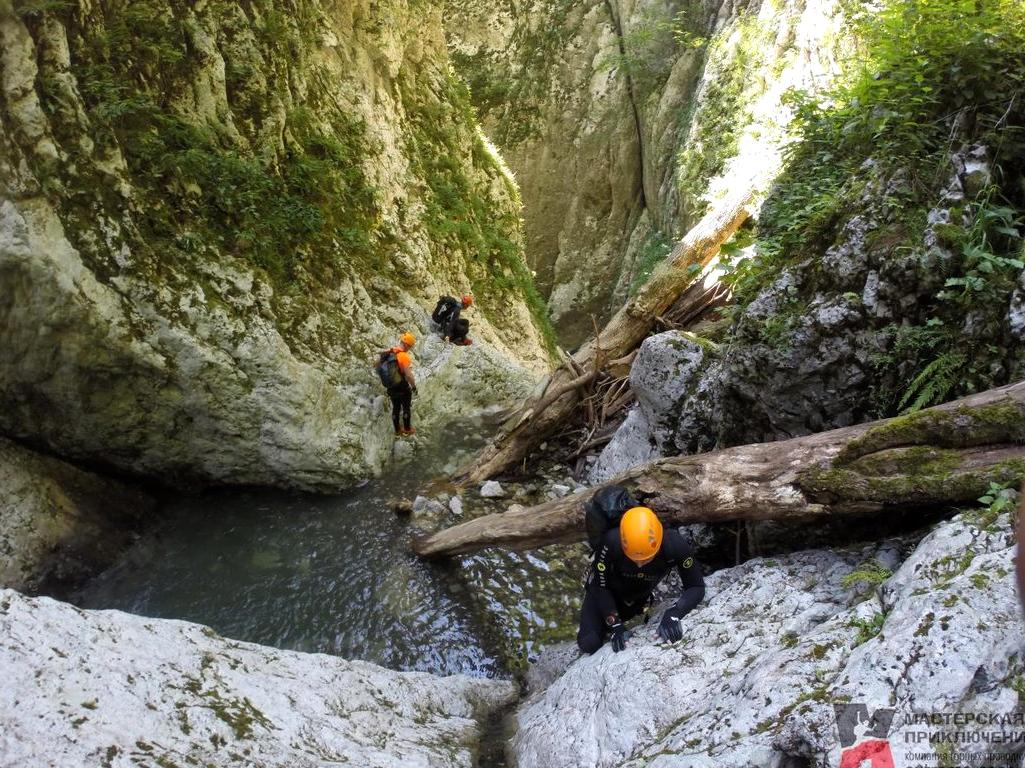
(629, 562)
(395, 367)
(447, 315)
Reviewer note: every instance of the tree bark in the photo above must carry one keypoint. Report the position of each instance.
(940, 456)
(622, 334)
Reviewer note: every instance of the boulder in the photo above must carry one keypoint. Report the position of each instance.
(109, 688)
(492, 489)
(677, 411)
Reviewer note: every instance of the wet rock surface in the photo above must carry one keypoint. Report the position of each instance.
(777, 642)
(59, 524)
(108, 688)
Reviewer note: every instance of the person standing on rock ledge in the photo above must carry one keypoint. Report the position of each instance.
(447, 314)
(395, 367)
(629, 563)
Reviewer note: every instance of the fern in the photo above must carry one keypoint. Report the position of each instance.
(868, 628)
(871, 572)
(933, 383)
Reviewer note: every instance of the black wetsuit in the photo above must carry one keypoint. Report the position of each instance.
(456, 328)
(617, 589)
(401, 401)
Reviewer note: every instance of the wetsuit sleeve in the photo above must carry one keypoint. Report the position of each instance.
(598, 583)
(690, 576)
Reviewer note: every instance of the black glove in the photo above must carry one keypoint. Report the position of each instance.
(669, 628)
(618, 636)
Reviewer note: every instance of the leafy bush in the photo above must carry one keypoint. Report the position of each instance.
(30, 8)
(868, 628)
(931, 76)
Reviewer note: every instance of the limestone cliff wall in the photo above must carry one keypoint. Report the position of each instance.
(213, 214)
(623, 119)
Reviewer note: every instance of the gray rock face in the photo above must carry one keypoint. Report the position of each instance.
(1016, 310)
(623, 119)
(776, 643)
(820, 347)
(677, 407)
(138, 326)
(110, 689)
(630, 446)
(60, 524)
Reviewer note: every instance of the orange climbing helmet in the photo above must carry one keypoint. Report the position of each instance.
(640, 532)
(408, 339)
(467, 300)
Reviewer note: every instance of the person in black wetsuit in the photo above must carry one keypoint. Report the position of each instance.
(629, 563)
(447, 314)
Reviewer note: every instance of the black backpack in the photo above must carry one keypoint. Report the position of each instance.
(388, 369)
(443, 310)
(604, 511)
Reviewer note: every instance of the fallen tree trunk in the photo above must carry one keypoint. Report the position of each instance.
(941, 456)
(623, 333)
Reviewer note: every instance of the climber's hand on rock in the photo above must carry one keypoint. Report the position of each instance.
(669, 628)
(618, 641)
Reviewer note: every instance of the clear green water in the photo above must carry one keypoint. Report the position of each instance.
(328, 574)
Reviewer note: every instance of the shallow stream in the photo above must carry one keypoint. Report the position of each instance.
(333, 574)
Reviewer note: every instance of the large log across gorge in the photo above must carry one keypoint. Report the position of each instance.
(944, 455)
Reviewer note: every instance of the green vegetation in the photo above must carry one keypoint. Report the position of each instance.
(30, 8)
(651, 46)
(652, 253)
(1001, 497)
(929, 78)
(303, 209)
(868, 628)
(871, 573)
(914, 457)
(959, 427)
(300, 215)
(513, 98)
